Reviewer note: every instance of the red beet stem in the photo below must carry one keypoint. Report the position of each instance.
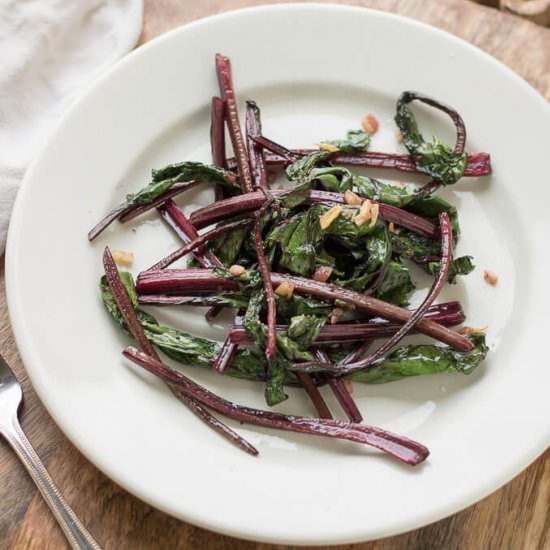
(228, 349)
(402, 448)
(444, 265)
(259, 174)
(225, 356)
(271, 347)
(186, 231)
(128, 313)
(350, 408)
(387, 212)
(182, 281)
(274, 147)
(252, 201)
(123, 302)
(358, 353)
(227, 208)
(314, 394)
(129, 213)
(175, 190)
(478, 164)
(340, 390)
(255, 153)
(231, 116)
(217, 139)
(105, 222)
(166, 300)
(197, 242)
(446, 313)
(352, 332)
(217, 133)
(223, 66)
(408, 96)
(217, 425)
(202, 280)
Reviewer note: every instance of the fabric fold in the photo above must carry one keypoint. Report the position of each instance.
(50, 51)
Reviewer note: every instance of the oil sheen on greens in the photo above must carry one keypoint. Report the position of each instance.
(307, 318)
(371, 257)
(435, 158)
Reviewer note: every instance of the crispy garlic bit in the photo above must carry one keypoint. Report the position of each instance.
(121, 257)
(365, 208)
(236, 270)
(322, 273)
(359, 220)
(351, 198)
(370, 124)
(467, 331)
(399, 136)
(490, 278)
(285, 290)
(336, 315)
(364, 213)
(328, 217)
(368, 211)
(327, 147)
(348, 215)
(374, 211)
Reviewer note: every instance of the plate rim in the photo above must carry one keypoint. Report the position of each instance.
(23, 345)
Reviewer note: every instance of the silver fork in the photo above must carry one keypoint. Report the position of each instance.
(10, 399)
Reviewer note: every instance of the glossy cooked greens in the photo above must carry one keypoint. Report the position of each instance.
(334, 247)
(369, 257)
(250, 364)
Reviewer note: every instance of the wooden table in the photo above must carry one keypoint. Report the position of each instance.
(512, 518)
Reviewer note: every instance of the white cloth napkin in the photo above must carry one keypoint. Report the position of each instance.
(50, 50)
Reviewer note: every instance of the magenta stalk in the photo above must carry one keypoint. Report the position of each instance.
(400, 447)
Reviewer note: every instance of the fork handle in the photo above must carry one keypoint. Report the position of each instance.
(77, 535)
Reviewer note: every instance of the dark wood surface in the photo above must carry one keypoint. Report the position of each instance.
(515, 517)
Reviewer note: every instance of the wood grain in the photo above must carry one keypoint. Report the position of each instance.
(537, 11)
(515, 517)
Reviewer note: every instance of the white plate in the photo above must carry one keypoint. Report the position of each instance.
(315, 70)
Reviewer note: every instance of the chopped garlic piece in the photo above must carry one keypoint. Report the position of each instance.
(370, 124)
(351, 198)
(399, 136)
(359, 220)
(285, 290)
(327, 147)
(322, 273)
(236, 270)
(328, 217)
(121, 257)
(364, 213)
(490, 277)
(375, 209)
(471, 330)
(365, 208)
